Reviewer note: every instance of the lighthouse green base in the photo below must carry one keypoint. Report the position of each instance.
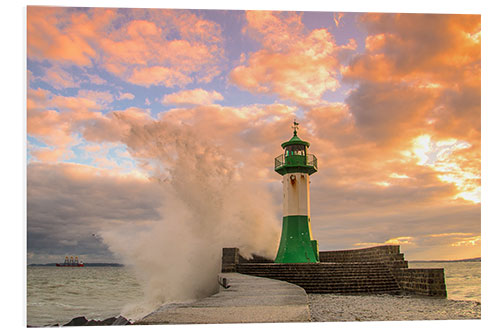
(296, 245)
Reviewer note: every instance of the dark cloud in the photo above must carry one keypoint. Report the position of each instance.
(69, 205)
(385, 111)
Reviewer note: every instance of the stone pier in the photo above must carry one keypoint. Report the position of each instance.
(374, 270)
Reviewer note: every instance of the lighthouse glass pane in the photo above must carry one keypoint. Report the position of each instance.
(295, 150)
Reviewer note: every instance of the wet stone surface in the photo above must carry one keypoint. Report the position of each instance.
(331, 307)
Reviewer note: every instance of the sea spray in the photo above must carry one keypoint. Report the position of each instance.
(211, 202)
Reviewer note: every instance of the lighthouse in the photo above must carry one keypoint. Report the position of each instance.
(296, 165)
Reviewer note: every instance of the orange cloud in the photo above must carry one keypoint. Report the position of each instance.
(126, 96)
(403, 240)
(157, 75)
(141, 50)
(419, 77)
(132, 47)
(45, 40)
(293, 65)
(59, 78)
(193, 97)
(409, 45)
(275, 30)
(56, 120)
(424, 54)
(52, 155)
(470, 241)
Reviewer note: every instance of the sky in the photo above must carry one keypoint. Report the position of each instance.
(138, 118)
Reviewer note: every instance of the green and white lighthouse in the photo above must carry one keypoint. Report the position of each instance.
(296, 165)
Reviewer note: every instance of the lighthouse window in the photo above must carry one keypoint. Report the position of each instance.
(295, 150)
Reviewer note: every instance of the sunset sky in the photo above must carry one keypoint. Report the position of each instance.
(140, 117)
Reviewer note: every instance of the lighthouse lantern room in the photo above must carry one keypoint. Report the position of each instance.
(296, 165)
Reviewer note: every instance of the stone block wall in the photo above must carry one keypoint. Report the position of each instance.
(231, 257)
(422, 281)
(388, 254)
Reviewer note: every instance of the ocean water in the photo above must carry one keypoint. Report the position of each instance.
(58, 294)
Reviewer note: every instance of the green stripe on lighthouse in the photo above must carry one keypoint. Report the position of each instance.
(296, 244)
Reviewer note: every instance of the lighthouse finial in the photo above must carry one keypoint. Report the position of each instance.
(295, 127)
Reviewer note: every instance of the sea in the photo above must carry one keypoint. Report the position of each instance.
(55, 295)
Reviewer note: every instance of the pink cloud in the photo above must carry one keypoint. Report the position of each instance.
(52, 155)
(126, 96)
(157, 75)
(59, 129)
(96, 79)
(142, 49)
(59, 78)
(408, 85)
(275, 30)
(144, 29)
(128, 46)
(337, 18)
(294, 65)
(193, 97)
(45, 40)
(406, 46)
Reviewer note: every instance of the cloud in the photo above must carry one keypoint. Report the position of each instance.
(405, 46)
(60, 78)
(70, 202)
(275, 30)
(142, 47)
(403, 240)
(55, 119)
(470, 241)
(126, 95)
(192, 97)
(435, 55)
(156, 75)
(146, 53)
(337, 18)
(46, 41)
(294, 64)
(386, 113)
(410, 83)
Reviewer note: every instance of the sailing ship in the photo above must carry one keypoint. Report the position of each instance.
(70, 262)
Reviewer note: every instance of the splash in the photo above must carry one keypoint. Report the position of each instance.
(210, 203)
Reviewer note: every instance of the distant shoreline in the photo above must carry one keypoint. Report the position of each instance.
(90, 264)
(457, 260)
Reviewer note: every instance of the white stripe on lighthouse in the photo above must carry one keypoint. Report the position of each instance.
(296, 194)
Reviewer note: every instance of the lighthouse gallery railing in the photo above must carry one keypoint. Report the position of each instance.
(310, 160)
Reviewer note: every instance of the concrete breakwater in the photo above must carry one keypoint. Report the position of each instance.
(244, 299)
